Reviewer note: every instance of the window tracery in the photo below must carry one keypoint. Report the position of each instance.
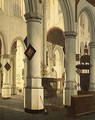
(18, 7)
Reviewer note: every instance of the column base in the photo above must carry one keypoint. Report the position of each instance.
(14, 90)
(34, 111)
(70, 89)
(67, 93)
(6, 91)
(33, 99)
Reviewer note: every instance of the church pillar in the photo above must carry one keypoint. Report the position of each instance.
(33, 98)
(6, 89)
(13, 75)
(0, 80)
(25, 72)
(0, 75)
(92, 69)
(44, 38)
(70, 65)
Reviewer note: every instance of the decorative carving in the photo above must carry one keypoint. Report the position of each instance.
(33, 17)
(70, 34)
(84, 77)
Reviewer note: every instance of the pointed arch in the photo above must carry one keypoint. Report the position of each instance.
(90, 16)
(3, 39)
(68, 15)
(18, 38)
(60, 52)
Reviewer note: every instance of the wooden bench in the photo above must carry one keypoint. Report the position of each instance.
(80, 105)
(80, 92)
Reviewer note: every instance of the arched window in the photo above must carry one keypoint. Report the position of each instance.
(48, 9)
(18, 7)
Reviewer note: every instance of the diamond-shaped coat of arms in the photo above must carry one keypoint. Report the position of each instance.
(7, 66)
(30, 51)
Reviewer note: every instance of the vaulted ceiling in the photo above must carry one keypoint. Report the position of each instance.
(92, 2)
(55, 36)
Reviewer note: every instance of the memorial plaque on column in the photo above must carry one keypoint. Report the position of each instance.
(30, 51)
(7, 66)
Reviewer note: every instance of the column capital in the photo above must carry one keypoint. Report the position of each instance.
(92, 44)
(6, 56)
(70, 34)
(33, 17)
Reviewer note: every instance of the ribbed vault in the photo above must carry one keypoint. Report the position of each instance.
(55, 35)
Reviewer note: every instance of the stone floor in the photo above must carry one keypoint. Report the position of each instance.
(12, 109)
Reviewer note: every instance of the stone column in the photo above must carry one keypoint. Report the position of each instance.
(6, 89)
(92, 69)
(13, 75)
(44, 37)
(0, 76)
(0, 80)
(33, 98)
(70, 65)
(25, 72)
